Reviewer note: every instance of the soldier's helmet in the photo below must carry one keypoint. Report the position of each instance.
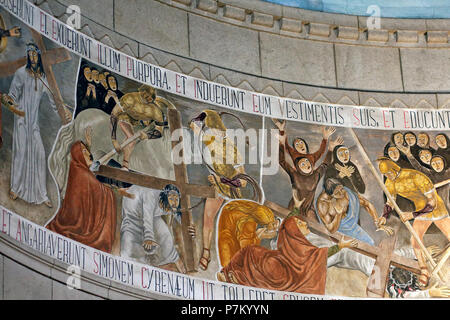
(387, 165)
(213, 120)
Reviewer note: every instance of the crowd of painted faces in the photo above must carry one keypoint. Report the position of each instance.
(97, 89)
(411, 151)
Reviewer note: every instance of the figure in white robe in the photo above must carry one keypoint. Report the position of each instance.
(142, 220)
(28, 167)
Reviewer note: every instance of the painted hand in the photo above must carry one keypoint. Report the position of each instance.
(88, 135)
(191, 231)
(335, 143)
(264, 233)
(281, 125)
(351, 243)
(15, 32)
(143, 135)
(124, 193)
(389, 231)
(149, 245)
(116, 146)
(212, 180)
(441, 292)
(404, 149)
(327, 132)
(406, 216)
(434, 250)
(67, 113)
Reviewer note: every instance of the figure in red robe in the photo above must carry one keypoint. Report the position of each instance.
(88, 211)
(296, 266)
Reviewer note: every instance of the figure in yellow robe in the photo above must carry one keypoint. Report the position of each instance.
(238, 227)
(226, 163)
(429, 207)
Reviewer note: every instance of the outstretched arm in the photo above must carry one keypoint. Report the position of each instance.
(327, 132)
(342, 244)
(370, 208)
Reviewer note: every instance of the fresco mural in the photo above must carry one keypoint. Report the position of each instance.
(137, 181)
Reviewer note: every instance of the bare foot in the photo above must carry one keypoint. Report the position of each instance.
(125, 165)
(12, 195)
(205, 259)
(48, 204)
(221, 276)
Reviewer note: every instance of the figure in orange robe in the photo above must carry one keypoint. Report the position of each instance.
(296, 266)
(88, 212)
(238, 227)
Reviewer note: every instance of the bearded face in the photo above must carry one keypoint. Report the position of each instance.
(174, 200)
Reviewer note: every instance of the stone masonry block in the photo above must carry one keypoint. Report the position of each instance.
(292, 25)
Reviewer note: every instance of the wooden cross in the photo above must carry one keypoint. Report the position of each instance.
(49, 58)
(187, 190)
(383, 254)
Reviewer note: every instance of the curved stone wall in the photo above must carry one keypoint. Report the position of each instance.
(26, 274)
(256, 46)
(269, 47)
(398, 9)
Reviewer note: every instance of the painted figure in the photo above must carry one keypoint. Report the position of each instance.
(304, 177)
(227, 172)
(29, 170)
(437, 171)
(296, 265)
(429, 207)
(113, 94)
(443, 146)
(238, 227)
(134, 108)
(88, 212)
(145, 236)
(339, 208)
(345, 171)
(300, 148)
(403, 284)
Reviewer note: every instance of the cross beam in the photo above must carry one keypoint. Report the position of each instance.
(195, 190)
(49, 58)
(383, 254)
(187, 190)
(8, 68)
